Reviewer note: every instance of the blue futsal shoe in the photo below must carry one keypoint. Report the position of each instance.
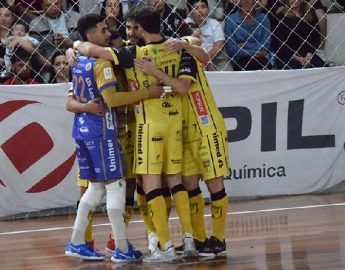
(131, 255)
(83, 251)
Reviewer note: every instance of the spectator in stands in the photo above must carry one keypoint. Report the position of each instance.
(19, 37)
(173, 24)
(297, 37)
(248, 38)
(6, 22)
(61, 69)
(55, 29)
(210, 32)
(27, 10)
(20, 68)
(112, 11)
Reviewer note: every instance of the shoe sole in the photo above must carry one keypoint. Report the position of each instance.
(123, 260)
(171, 259)
(78, 256)
(179, 252)
(190, 254)
(201, 254)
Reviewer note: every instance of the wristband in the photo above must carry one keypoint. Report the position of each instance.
(167, 89)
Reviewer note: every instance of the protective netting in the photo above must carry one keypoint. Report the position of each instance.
(237, 34)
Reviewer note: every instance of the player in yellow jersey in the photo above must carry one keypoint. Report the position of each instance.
(163, 119)
(205, 153)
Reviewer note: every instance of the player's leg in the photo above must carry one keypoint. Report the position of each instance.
(214, 178)
(83, 184)
(109, 168)
(173, 178)
(149, 164)
(77, 247)
(191, 176)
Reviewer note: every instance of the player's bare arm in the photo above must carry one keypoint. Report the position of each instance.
(90, 49)
(193, 48)
(180, 86)
(92, 106)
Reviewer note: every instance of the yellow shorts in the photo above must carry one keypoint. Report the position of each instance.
(127, 140)
(82, 182)
(158, 148)
(208, 155)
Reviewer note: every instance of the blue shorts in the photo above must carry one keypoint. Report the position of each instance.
(99, 160)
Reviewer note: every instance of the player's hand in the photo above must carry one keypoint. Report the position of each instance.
(176, 45)
(147, 66)
(156, 91)
(94, 107)
(71, 57)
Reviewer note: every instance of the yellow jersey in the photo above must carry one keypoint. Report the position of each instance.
(151, 110)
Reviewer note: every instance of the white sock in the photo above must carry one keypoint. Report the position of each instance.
(88, 202)
(116, 200)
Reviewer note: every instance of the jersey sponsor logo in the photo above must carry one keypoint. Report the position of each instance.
(199, 103)
(176, 161)
(108, 74)
(109, 120)
(185, 70)
(166, 104)
(88, 66)
(200, 107)
(140, 160)
(217, 211)
(204, 120)
(157, 139)
(111, 156)
(218, 152)
(140, 140)
(173, 113)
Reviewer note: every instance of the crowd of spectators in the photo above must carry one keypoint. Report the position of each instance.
(237, 34)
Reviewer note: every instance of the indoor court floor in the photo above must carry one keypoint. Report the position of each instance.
(293, 232)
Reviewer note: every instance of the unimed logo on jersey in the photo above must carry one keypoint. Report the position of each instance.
(28, 145)
(199, 103)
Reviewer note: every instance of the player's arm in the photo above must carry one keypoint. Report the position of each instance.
(191, 45)
(123, 56)
(74, 106)
(179, 85)
(106, 83)
(90, 49)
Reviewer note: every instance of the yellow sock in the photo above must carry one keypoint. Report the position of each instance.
(219, 210)
(197, 211)
(143, 209)
(168, 201)
(181, 202)
(157, 210)
(88, 232)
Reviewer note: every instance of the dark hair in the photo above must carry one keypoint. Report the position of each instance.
(190, 3)
(120, 18)
(21, 22)
(19, 54)
(130, 14)
(52, 78)
(148, 18)
(87, 23)
(56, 54)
